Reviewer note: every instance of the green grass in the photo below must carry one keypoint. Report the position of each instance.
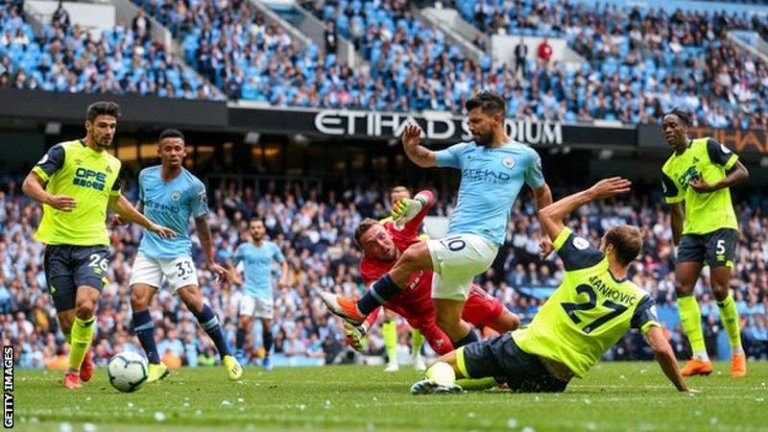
(614, 396)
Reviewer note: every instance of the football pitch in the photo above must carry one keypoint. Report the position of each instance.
(614, 396)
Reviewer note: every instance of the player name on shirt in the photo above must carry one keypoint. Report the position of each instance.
(612, 293)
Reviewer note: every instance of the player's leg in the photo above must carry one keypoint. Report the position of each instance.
(458, 259)
(416, 257)
(497, 358)
(244, 325)
(482, 309)
(721, 249)
(193, 299)
(265, 311)
(690, 258)
(146, 277)
(389, 333)
(62, 288)
(267, 340)
(448, 315)
(485, 368)
(182, 277)
(417, 342)
(89, 267)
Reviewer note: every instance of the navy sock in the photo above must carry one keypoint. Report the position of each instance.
(468, 339)
(381, 291)
(240, 340)
(267, 337)
(210, 324)
(145, 331)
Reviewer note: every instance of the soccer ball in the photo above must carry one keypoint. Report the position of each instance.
(442, 373)
(127, 371)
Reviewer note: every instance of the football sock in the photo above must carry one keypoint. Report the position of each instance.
(417, 341)
(730, 318)
(82, 335)
(240, 341)
(210, 323)
(266, 336)
(381, 291)
(389, 332)
(690, 317)
(468, 339)
(477, 383)
(145, 332)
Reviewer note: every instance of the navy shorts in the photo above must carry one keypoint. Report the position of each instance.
(716, 249)
(68, 267)
(500, 357)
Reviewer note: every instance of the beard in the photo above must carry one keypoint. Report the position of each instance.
(103, 142)
(486, 139)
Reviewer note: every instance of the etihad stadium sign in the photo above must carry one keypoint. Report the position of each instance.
(438, 128)
(435, 127)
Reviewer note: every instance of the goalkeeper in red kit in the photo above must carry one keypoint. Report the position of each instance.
(382, 245)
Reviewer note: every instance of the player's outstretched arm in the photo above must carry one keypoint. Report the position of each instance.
(416, 152)
(543, 196)
(413, 209)
(206, 242)
(34, 187)
(551, 217)
(120, 205)
(666, 357)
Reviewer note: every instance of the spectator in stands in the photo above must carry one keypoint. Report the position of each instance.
(142, 26)
(544, 52)
(521, 55)
(331, 39)
(60, 17)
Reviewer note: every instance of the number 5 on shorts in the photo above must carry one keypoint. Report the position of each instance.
(720, 247)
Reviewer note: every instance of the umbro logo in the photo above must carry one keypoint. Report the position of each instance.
(78, 162)
(695, 159)
(109, 169)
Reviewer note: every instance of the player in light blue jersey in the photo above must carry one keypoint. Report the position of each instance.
(493, 170)
(256, 258)
(169, 194)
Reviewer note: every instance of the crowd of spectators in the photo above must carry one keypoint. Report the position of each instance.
(63, 57)
(638, 64)
(680, 58)
(314, 231)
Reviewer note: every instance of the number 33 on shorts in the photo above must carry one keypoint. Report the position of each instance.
(179, 272)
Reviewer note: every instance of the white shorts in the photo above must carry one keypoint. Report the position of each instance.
(179, 272)
(256, 307)
(456, 260)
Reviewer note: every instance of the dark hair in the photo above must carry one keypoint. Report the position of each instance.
(364, 226)
(397, 189)
(488, 102)
(102, 108)
(682, 114)
(627, 240)
(256, 219)
(170, 133)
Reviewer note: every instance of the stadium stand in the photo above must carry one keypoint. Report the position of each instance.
(638, 63)
(69, 59)
(673, 57)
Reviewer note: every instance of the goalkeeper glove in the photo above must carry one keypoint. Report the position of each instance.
(406, 209)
